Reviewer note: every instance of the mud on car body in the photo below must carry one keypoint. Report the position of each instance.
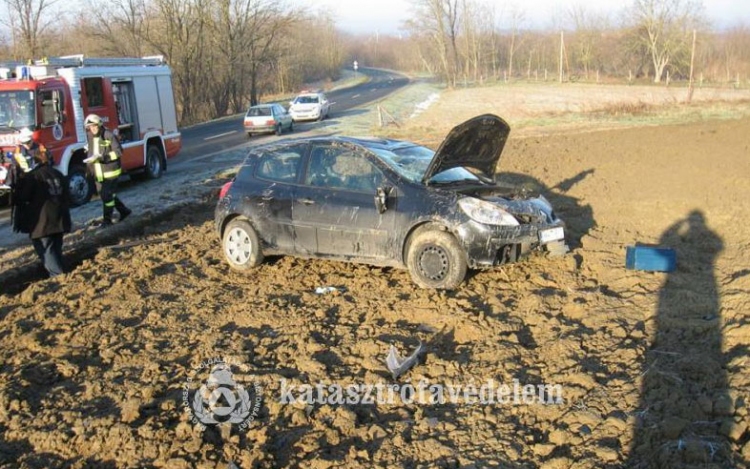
(386, 202)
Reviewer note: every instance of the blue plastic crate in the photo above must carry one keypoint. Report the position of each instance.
(650, 258)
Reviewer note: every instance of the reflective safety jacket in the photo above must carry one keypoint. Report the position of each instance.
(23, 157)
(104, 153)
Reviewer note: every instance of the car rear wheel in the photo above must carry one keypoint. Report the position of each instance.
(436, 260)
(241, 245)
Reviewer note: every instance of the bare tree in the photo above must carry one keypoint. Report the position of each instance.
(28, 21)
(439, 19)
(120, 26)
(517, 18)
(663, 29)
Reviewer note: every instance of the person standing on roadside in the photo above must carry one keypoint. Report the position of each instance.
(104, 155)
(22, 161)
(42, 195)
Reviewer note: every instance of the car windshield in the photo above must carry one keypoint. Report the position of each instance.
(306, 100)
(412, 161)
(17, 109)
(259, 111)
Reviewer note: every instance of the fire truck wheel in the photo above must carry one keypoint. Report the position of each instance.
(154, 162)
(80, 185)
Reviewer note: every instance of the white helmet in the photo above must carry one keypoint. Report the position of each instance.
(92, 119)
(25, 135)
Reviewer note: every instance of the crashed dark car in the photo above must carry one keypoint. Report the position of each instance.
(386, 202)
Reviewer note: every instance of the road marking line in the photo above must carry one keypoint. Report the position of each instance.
(355, 96)
(220, 135)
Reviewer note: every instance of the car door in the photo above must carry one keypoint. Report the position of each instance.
(334, 210)
(281, 116)
(270, 200)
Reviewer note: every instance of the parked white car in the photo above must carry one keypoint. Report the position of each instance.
(309, 106)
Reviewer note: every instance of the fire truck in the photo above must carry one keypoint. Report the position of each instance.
(52, 97)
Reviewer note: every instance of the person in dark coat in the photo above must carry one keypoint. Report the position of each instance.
(42, 196)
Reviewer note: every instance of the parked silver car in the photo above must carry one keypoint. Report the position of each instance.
(266, 118)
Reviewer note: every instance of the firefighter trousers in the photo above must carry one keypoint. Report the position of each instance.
(108, 193)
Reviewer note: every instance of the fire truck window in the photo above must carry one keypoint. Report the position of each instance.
(51, 108)
(94, 91)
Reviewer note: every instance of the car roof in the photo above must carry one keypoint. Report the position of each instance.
(263, 105)
(367, 142)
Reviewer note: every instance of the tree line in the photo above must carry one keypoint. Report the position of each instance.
(464, 41)
(226, 54)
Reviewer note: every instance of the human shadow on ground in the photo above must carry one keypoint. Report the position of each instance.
(686, 412)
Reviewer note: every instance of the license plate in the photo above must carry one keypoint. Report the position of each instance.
(553, 234)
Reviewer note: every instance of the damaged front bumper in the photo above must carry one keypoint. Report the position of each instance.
(488, 246)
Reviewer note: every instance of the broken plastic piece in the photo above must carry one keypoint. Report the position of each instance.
(650, 258)
(397, 365)
(323, 290)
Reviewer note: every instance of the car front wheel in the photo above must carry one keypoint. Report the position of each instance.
(435, 260)
(241, 245)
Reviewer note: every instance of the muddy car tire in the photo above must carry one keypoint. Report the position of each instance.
(241, 245)
(436, 260)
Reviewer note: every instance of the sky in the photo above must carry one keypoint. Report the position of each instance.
(386, 16)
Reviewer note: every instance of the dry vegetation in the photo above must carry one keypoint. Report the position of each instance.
(225, 55)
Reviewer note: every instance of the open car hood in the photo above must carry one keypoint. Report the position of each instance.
(476, 144)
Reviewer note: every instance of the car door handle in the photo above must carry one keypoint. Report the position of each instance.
(307, 201)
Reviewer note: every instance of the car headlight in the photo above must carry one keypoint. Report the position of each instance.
(485, 212)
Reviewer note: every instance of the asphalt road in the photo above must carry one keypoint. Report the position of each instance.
(226, 133)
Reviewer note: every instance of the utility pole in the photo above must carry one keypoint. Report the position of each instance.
(562, 51)
(692, 63)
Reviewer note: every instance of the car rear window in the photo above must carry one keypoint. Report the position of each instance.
(259, 111)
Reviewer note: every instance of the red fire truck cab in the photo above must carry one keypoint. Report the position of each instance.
(52, 97)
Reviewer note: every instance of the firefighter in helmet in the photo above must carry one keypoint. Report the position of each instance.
(104, 154)
(27, 149)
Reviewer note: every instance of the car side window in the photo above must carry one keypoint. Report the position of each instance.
(341, 168)
(281, 165)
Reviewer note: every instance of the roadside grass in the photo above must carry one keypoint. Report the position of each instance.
(425, 112)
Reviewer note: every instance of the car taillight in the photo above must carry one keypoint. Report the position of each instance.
(270, 122)
(225, 189)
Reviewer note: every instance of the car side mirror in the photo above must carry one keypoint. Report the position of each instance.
(381, 200)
